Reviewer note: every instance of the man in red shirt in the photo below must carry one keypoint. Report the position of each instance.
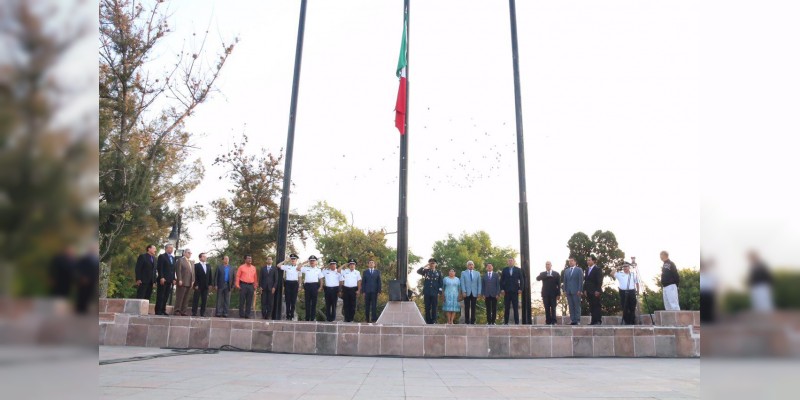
(246, 282)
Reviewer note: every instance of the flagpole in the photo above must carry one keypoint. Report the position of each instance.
(402, 217)
(524, 243)
(283, 221)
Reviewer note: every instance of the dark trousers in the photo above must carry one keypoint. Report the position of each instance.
(246, 292)
(290, 297)
(549, 309)
(311, 293)
(469, 309)
(627, 299)
(200, 295)
(594, 308)
(707, 307)
(431, 308)
(144, 291)
(491, 310)
(162, 294)
(371, 306)
(223, 301)
(86, 292)
(349, 299)
(266, 303)
(331, 298)
(512, 300)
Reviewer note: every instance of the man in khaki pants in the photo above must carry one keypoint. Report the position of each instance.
(185, 273)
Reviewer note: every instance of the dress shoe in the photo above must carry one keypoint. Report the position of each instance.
(574, 323)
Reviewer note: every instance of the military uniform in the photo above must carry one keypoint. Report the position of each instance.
(432, 287)
(311, 277)
(332, 283)
(350, 279)
(291, 286)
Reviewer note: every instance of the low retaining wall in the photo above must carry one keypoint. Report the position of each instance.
(129, 327)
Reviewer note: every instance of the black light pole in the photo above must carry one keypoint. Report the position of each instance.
(524, 245)
(402, 215)
(283, 222)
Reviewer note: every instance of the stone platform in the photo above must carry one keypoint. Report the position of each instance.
(125, 322)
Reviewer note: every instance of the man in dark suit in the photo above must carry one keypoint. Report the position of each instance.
(146, 273)
(432, 287)
(593, 288)
(88, 274)
(371, 285)
(511, 288)
(203, 278)
(551, 291)
(491, 289)
(267, 282)
(223, 282)
(165, 268)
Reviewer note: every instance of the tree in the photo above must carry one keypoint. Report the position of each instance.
(47, 159)
(688, 293)
(145, 151)
(247, 221)
(454, 252)
(326, 220)
(335, 239)
(603, 244)
(363, 246)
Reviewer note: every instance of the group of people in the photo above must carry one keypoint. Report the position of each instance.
(167, 271)
(469, 287)
(575, 282)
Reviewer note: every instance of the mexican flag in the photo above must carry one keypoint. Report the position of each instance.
(402, 63)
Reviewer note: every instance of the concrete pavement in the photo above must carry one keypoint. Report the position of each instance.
(244, 375)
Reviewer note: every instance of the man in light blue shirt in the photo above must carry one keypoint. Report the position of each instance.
(471, 288)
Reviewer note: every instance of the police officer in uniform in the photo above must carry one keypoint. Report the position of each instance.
(291, 279)
(351, 280)
(312, 277)
(333, 282)
(432, 289)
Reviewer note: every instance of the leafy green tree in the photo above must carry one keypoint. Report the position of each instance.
(454, 252)
(363, 246)
(146, 165)
(688, 292)
(246, 221)
(47, 159)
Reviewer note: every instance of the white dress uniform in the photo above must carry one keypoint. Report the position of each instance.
(311, 277)
(349, 298)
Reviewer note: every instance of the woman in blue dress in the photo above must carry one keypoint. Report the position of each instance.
(451, 291)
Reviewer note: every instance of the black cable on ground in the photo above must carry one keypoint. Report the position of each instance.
(175, 352)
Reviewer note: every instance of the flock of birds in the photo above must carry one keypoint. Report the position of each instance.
(455, 154)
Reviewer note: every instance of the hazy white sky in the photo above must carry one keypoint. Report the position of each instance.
(610, 111)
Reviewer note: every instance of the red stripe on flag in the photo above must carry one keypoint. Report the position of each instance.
(400, 107)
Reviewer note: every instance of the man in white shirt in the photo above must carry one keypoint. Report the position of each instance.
(351, 280)
(332, 284)
(628, 287)
(291, 284)
(312, 277)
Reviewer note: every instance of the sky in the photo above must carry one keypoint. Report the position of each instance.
(610, 109)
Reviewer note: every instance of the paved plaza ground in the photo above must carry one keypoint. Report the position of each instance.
(240, 375)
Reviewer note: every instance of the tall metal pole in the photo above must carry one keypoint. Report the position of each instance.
(524, 244)
(402, 217)
(283, 222)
